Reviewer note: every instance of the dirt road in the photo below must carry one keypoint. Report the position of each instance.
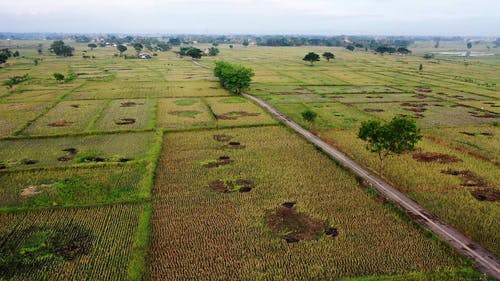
(485, 261)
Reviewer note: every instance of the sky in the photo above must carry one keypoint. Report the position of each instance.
(321, 17)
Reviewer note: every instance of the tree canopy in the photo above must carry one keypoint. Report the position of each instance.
(194, 53)
(233, 77)
(309, 115)
(59, 48)
(92, 46)
(328, 56)
(394, 137)
(311, 57)
(138, 47)
(121, 49)
(5, 54)
(212, 51)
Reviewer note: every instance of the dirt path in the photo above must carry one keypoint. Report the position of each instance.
(485, 261)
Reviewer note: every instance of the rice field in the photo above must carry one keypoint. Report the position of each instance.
(150, 170)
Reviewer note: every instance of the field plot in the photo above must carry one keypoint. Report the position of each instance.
(13, 116)
(238, 111)
(352, 89)
(431, 114)
(41, 152)
(491, 105)
(439, 169)
(183, 113)
(126, 115)
(313, 78)
(70, 187)
(330, 115)
(480, 140)
(209, 208)
(281, 90)
(68, 244)
(49, 95)
(66, 117)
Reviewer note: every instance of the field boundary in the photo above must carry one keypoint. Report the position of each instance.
(485, 261)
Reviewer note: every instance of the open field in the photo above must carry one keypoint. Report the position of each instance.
(80, 157)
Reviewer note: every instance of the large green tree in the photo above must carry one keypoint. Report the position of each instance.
(311, 57)
(194, 53)
(394, 137)
(138, 47)
(59, 48)
(233, 76)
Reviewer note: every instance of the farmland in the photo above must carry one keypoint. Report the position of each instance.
(156, 172)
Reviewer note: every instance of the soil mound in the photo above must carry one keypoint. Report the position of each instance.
(293, 226)
(486, 194)
(468, 177)
(225, 186)
(222, 161)
(435, 157)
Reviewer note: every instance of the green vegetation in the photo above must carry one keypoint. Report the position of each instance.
(311, 57)
(232, 76)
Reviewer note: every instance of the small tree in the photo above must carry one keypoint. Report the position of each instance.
(138, 47)
(350, 47)
(397, 136)
(231, 46)
(92, 46)
(212, 51)
(233, 77)
(328, 56)
(5, 54)
(421, 67)
(245, 43)
(194, 53)
(121, 49)
(309, 115)
(311, 57)
(58, 76)
(469, 45)
(16, 54)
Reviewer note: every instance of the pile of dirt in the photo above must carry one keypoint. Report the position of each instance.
(234, 145)
(221, 161)
(373, 110)
(486, 194)
(468, 177)
(222, 138)
(71, 153)
(29, 161)
(293, 226)
(125, 121)
(128, 104)
(225, 186)
(233, 115)
(423, 89)
(60, 123)
(435, 157)
(30, 191)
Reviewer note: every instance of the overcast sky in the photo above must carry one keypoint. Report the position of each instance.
(327, 17)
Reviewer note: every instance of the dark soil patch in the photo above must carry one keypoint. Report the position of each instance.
(337, 97)
(416, 109)
(293, 226)
(484, 115)
(128, 104)
(93, 159)
(486, 194)
(222, 138)
(332, 231)
(225, 186)
(488, 134)
(222, 161)
(468, 134)
(435, 157)
(60, 123)
(124, 160)
(374, 97)
(468, 177)
(3, 166)
(288, 204)
(420, 96)
(234, 145)
(414, 104)
(438, 105)
(125, 121)
(35, 247)
(71, 150)
(373, 110)
(233, 115)
(29, 162)
(64, 158)
(423, 89)
(488, 102)
(75, 105)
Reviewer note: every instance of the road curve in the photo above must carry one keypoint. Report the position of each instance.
(485, 261)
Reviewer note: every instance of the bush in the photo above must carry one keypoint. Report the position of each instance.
(15, 80)
(58, 76)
